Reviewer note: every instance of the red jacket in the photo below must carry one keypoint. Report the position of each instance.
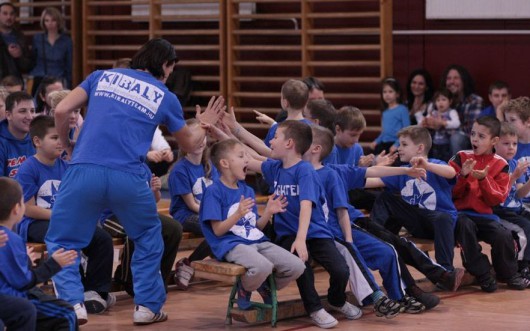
(480, 195)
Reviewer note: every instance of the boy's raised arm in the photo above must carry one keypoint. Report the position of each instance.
(442, 170)
(229, 119)
(36, 212)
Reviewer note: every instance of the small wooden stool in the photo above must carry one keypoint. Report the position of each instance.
(231, 273)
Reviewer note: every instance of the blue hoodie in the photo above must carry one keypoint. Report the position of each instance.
(13, 152)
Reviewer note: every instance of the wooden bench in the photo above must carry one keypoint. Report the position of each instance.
(189, 241)
(230, 273)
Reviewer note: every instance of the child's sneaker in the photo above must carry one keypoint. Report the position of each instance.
(517, 282)
(94, 303)
(451, 280)
(183, 273)
(323, 319)
(143, 315)
(387, 307)
(80, 312)
(243, 297)
(111, 300)
(427, 299)
(265, 292)
(411, 305)
(350, 311)
(487, 283)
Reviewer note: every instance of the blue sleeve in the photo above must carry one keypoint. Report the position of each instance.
(179, 183)
(87, 83)
(268, 169)
(15, 269)
(392, 183)
(211, 199)
(174, 117)
(308, 180)
(270, 135)
(27, 178)
(337, 191)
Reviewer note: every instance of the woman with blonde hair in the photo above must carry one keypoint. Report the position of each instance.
(52, 49)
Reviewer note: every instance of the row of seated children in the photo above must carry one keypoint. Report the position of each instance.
(319, 316)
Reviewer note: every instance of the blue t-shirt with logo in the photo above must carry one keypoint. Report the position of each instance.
(124, 110)
(39, 181)
(298, 182)
(185, 178)
(220, 202)
(435, 193)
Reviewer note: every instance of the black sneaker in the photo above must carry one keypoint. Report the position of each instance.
(487, 283)
(525, 272)
(411, 305)
(517, 282)
(451, 281)
(387, 307)
(427, 299)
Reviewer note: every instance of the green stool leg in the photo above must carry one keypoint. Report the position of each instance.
(231, 300)
(274, 298)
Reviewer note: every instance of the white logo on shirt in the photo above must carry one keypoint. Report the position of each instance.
(47, 192)
(131, 91)
(419, 193)
(246, 225)
(200, 185)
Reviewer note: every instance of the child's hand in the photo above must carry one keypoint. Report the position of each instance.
(419, 162)
(155, 156)
(156, 183)
(300, 248)
(372, 145)
(416, 172)
(229, 119)
(262, 118)
(384, 159)
(467, 167)
(480, 174)
(366, 160)
(64, 258)
(392, 149)
(167, 155)
(3, 238)
(521, 168)
(216, 132)
(245, 206)
(276, 204)
(213, 111)
(32, 255)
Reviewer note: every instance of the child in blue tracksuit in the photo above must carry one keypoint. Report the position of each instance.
(125, 106)
(40, 177)
(232, 226)
(18, 280)
(15, 143)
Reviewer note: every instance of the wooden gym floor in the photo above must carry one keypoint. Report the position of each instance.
(203, 307)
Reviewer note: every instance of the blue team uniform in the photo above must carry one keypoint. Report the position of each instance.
(41, 182)
(220, 202)
(185, 178)
(523, 154)
(107, 171)
(13, 152)
(348, 155)
(297, 183)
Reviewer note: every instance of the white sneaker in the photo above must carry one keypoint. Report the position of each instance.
(94, 303)
(350, 311)
(323, 319)
(111, 300)
(143, 315)
(81, 314)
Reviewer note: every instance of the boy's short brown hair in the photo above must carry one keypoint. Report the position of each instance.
(296, 93)
(323, 137)
(299, 132)
(323, 111)
(520, 106)
(492, 123)
(350, 118)
(418, 135)
(507, 129)
(40, 125)
(11, 195)
(221, 150)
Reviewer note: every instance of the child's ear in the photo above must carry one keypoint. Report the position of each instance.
(421, 149)
(337, 128)
(36, 141)
(495, 140)
(289, 143)
(224, 163)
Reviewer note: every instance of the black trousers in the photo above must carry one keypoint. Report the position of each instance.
(472, 229)
(521, 219)
(326, 254)
(17, 314)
